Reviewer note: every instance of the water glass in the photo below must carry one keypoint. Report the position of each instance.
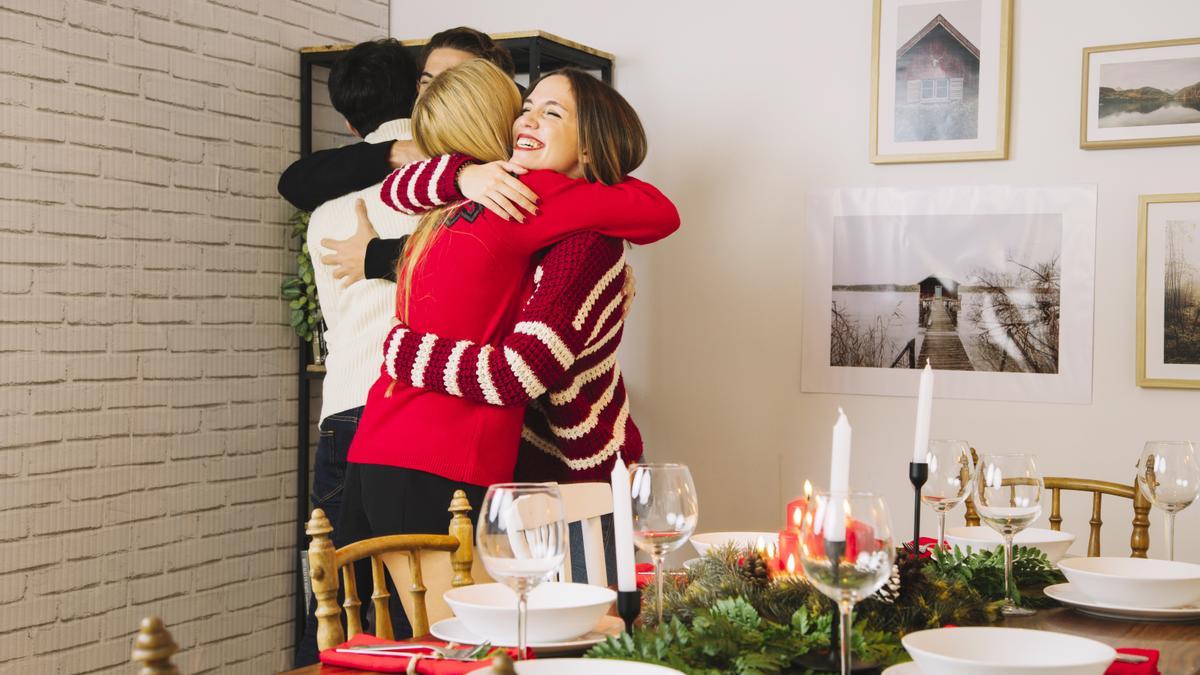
(665, 511)
(847, 552)
(951, 470)
(521, 538)
(1169, 476)
(1008, 495)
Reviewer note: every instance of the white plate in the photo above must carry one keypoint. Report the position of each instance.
(909, 668)
(589, 667)
(987, 650)
(453, 630)
(705, 541)
(1069, 595)
(1053, 544)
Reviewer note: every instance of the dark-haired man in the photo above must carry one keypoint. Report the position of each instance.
(373, 86)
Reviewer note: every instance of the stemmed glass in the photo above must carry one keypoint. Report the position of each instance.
(847, 552)
(1008, 495)
(951, 470)
(665, 511)
(521, 538)
(1169, 476)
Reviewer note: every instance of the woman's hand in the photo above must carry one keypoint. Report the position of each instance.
(630, 290)
(349, 255)
(494, 187)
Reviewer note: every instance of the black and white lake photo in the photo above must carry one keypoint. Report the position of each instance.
(1149, 93)
(971, 292)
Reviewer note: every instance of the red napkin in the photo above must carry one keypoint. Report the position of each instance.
(398, 664)
(1148, 668)
(645, 574)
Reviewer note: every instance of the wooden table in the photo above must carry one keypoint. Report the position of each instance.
(1177, 643)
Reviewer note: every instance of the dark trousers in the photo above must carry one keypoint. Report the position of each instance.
(383, 500)
(329, 474)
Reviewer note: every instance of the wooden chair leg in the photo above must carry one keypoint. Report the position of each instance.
(420, 616)
(322, 560)
(379, 599)
(352, 604)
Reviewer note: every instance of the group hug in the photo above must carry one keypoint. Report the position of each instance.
(469, 258)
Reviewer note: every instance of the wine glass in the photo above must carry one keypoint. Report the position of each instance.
(1169, 476)
(521, 539)
(950, 472)
(847, 552)
(1008, 496)
(665, 511)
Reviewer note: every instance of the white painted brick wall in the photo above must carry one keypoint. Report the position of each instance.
(146, 386)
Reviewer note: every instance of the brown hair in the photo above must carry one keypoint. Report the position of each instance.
(470, 109)
(611, 137)
(471, 41)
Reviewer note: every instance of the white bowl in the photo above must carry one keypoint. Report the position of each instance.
(589, 667)
(1135, 582)
(557, 611)
(1005, 651)
(709, 540)
(1053, 544)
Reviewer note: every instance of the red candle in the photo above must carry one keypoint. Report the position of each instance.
(789, 549)
(797, 508)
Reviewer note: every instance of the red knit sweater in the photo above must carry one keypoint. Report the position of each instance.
(470, 286)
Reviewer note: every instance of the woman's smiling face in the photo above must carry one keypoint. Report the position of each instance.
(546, 135)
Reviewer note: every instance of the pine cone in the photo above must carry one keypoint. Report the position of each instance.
(754, 568)
(890, 592)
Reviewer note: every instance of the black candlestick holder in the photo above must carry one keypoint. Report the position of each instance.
(918, 473)
(629, 606)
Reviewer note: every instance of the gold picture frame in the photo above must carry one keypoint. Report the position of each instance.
(1003, 102)
(1085, 99)
(1143, 288)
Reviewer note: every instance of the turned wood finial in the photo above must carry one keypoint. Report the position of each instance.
(153, 648)
(462, 530)
(502, 664)
(322, 563)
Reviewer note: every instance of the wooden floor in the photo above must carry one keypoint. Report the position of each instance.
(942, 345)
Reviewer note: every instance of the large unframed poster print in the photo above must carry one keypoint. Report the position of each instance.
(991, 285)
(940, 80)
(1141, 94)
(1168, 313)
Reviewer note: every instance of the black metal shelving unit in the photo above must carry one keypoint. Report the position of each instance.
(534, 53)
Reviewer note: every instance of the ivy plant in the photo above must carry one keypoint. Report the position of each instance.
(300, 290)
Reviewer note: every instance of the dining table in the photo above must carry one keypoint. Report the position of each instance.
(1178, 644)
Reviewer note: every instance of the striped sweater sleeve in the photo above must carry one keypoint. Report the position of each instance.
(576, 305)
(419, 186)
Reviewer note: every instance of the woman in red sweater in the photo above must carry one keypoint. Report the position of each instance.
(466, 271)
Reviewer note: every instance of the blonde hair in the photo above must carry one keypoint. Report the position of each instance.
(467, 109)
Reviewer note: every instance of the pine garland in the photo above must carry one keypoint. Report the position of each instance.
(727, 618)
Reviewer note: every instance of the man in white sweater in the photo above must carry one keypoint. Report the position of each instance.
(373, 86)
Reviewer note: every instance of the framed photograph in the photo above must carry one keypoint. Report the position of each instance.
(1168, 291)
(940, 78)
(1140, 95)
(992, 285)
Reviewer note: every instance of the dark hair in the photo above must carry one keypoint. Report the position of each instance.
(473, 42)
(372, 83)
(611, 135)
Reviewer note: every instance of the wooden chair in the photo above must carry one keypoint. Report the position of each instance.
(153, 647)
(585, 503)
(1139, 541)
(325, 561)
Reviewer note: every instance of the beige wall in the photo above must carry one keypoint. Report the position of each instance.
(750, 106)
(147, 394)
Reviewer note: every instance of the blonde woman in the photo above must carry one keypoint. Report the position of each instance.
(465, 274)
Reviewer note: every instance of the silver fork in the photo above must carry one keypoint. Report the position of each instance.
(449, 652)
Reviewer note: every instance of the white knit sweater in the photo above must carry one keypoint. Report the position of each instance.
(358, 316)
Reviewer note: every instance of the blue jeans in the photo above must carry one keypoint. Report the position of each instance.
(329, 473)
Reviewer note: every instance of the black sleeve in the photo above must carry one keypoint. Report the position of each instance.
(381, 258)
(313, 180)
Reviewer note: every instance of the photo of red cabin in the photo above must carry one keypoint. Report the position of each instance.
(937, 85)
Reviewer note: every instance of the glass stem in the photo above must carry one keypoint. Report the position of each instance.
(1008, 573)
(522, 612)
(1170, 535)
(847, 608)
(941, 542)
(658, 583)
